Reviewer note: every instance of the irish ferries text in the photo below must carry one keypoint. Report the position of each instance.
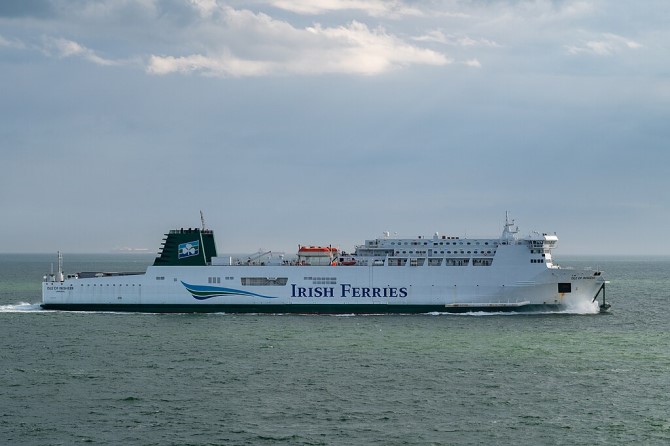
(346, 290)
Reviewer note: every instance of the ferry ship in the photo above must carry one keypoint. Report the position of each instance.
(388, 274)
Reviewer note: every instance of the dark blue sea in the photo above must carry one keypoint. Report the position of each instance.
(574, 378)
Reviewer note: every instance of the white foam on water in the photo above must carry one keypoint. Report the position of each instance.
(475, 313)
(581, 306)
(576, 306)
(21, 307)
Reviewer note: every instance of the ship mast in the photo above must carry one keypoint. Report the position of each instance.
(59, 276)
(508, 232)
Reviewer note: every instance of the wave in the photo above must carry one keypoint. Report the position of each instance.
(483, 313)
(21, 307)
(581, 307)
(571, 307)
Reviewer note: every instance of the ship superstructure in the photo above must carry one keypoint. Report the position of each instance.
(388, 274)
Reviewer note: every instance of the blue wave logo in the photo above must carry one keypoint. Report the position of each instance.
(203, 292)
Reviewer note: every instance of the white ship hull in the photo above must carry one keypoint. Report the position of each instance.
(385, 275)
(510, 283)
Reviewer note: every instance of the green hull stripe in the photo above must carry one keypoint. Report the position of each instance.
(295, 308)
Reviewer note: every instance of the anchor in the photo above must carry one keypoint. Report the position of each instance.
(603, 306)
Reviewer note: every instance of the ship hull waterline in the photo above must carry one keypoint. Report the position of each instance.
(304, 308)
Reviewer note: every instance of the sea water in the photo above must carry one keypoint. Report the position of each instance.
(572, 378)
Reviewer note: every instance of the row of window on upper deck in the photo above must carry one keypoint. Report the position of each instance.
(423, 253)
(441, 243)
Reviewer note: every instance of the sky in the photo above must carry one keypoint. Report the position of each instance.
(329, 122)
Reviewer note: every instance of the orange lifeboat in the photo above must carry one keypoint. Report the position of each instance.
(317, 255)
(317, 250)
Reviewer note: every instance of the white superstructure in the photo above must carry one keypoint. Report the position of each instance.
(386, 274)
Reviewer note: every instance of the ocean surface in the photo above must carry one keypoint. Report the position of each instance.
(573, 378)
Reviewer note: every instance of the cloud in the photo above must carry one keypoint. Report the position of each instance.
(244, 43)
(63, 48)
(375, 8)
(608, 45)
(539, 11)
(212, 38)
(224, 65)
(438, 36)
(473, 63)
(13, 43)
(205, 7)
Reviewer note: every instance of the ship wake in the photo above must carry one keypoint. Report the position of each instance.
(570, 307)
(21, 307)
(581, 307)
